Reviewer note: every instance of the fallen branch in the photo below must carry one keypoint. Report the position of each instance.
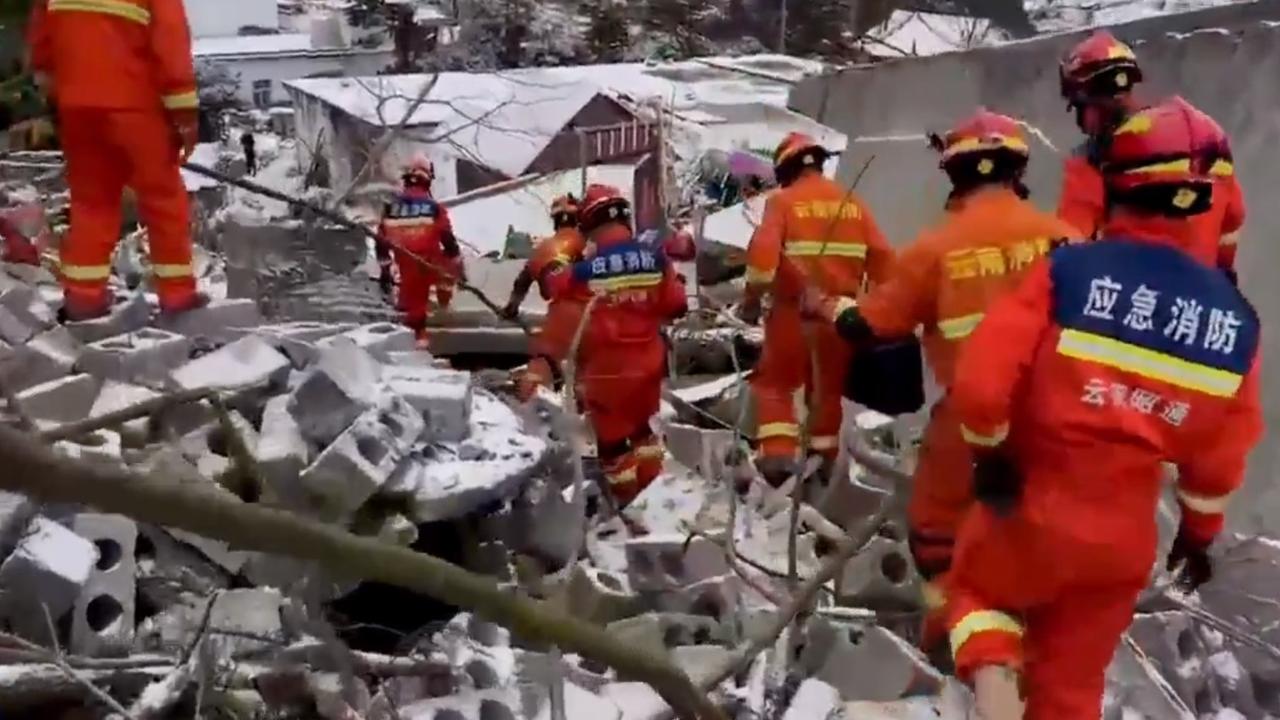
(338, 219)
(32, 469)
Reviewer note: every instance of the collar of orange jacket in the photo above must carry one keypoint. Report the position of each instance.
(1175, 232)
(985, 195)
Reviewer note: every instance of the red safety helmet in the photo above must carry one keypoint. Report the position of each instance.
(420, 171)
(796, 152)
(564, 211)
(1158, 159)
(603, 204)
(1101, 66)
(984, 133)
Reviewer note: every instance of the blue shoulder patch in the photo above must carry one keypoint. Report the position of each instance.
(1157, 298)
(409, 206)
(618, 264)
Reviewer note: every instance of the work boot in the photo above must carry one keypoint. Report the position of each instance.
(776, 470)
(193, 301)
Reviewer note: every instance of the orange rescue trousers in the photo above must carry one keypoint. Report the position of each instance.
(941, 495)
(418, 283)
(620, 396)
(106, 150)
(799, 356)
(1024, 596)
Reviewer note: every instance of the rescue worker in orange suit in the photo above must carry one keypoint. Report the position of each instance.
(416, 225)
(120, 74)
(944, 282)
(813, 233)
(1109, 359)
(552, 341)
(621, 362)
(1097, 78)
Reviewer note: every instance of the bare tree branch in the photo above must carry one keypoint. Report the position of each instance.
(33, 469)
(384, 143)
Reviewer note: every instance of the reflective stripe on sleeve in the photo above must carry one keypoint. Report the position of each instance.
(983, 621)
(1222, 168)
(958, 328)
(1206, 504)
(1232, 238)
(756, 276)
(648, 452)
(118, 8)
(993, 439)
(626, 477)
(824, 442)
(182, 101)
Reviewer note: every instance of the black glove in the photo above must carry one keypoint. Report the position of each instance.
(1193, 556)
(385, 283)
(996, 481)
(853, 327)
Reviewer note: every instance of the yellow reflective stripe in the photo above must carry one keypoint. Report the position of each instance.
(935, 598)
(1149, 363)
(1229, 239)
(980, 622)
(778, 429)
(811, 248)
(1206, 504)
(182, 101)
(409, 222)
(86, 272)
(760, 277)
(958, 328)
(626, 477)
(173, 271)
(1222, 168)
(118, 8)
(1171, 166)
(990, 142)
(626, 282)
(824, 442)
(996, 437)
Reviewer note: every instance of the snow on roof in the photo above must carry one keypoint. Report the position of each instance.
(501, 121)
(250, 45)
(908, 33)
(480, 218)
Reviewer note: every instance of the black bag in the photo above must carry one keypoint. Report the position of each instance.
(887, 376)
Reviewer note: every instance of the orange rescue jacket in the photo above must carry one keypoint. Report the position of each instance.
(946, 279)
(814, 232)
(562, 248)
(114, 54)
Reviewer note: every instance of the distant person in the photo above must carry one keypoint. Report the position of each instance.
(419, 231)
(121, 79)
(248, 142)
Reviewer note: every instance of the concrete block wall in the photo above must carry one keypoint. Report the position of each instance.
(1224, 60)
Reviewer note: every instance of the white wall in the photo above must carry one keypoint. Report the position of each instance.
(279, 69)
(225, 17)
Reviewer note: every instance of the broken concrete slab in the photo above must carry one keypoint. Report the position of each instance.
(247, 362)
(12, 329)
(578, 703)
(656, 563)
(217, 551)
(342, 386)
(814, 699)
(60, 401)
(250, 614)
(600, 596)
(715, 597)
(47, 356)
(48, 569)
(352, 469)
(23, 304)
(545, 525)
(889, 667)
(115, 395)
(16, 513)
(147, 356)
(880, 576)
(221, 321)
(402, 420)
(702, 451)
(130, 312)
(444, 397)
(378, 339)
(298, 340)
(411, 358)
(103, 619)
(282, 454)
